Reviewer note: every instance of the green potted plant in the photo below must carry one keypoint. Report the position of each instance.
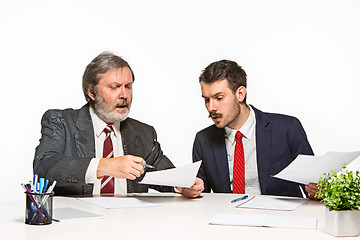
(340, 193)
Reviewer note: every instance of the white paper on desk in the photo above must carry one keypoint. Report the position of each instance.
(305, 169)
(73, 214)
(263, 221)
(183, 176)
(116, 202)
(273, 203)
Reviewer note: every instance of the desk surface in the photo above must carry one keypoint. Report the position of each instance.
(176, 218)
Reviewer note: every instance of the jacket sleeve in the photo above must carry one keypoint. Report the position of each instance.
(197, 156)
(298, 139)
(56, 157)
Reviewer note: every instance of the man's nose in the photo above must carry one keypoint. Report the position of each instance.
(122, 93)
(211, 106)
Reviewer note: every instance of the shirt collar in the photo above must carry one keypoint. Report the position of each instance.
(99, 124)
(247, 129)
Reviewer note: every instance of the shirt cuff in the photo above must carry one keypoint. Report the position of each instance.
(91, 172)
(177, 190)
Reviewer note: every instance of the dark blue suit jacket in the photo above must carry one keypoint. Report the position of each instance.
(279, 140)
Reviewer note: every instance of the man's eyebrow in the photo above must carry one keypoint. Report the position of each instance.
(215, 95)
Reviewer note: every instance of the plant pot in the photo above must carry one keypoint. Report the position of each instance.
(343, 223)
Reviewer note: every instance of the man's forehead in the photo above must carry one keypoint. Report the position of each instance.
(215, 88)
(121, 75)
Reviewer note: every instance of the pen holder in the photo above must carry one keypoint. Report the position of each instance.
(39, 208)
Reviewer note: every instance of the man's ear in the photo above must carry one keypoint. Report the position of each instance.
(90, 92)
(241, 93)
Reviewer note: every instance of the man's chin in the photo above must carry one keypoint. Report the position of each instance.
(218, 124)
(122, 115)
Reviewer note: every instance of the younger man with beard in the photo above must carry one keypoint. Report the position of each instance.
(97, 149)
(245, 146)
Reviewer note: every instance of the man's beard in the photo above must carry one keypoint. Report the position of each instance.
(106, 112)
(228, 119)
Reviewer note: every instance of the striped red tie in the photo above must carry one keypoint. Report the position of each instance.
(107, 183)
(239, 166)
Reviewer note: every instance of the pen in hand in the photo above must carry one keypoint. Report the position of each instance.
(146, 165)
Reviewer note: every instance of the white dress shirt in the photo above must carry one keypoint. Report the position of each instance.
(99, 134)
(252, 184)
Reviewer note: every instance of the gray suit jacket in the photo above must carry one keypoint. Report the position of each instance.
(67, 146)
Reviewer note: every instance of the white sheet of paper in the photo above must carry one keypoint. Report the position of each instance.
(183, 176)
(305, 169)
(116, 202)
(73, 214)
(263, 221)
(273, 203)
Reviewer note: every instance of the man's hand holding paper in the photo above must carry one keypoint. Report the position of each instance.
(309, 169)
(183, 177)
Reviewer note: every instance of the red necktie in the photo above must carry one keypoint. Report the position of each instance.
(239, 165)
(107, 183)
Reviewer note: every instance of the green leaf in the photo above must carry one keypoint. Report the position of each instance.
(340, 191)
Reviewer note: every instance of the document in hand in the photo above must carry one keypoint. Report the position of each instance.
(305, 169)
(183, 176)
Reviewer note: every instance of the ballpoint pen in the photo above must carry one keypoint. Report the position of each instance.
(146, 165)
(241, 198)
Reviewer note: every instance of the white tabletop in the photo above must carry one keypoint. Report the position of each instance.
(175, 218)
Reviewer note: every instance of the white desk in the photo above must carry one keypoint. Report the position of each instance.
(176, 218)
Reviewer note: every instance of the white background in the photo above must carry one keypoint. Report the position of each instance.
(302, 59)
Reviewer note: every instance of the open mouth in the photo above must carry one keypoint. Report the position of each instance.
(215, 116)
(122, 107)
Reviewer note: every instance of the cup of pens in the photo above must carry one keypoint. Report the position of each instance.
(39, 208)
(39, 201)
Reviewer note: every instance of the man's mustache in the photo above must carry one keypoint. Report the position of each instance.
(122, 103)
(214, 114)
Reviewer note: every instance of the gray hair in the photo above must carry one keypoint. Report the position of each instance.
(104, 62)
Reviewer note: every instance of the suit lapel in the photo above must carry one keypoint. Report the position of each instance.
(84, 137)
(219, 148)
(131, 145)
(130, 141)
(263, 147)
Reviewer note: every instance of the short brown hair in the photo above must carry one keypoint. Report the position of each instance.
(225, 69)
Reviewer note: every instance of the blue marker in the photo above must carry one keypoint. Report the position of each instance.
(41, 183)
(239, 199)
(46, 185)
